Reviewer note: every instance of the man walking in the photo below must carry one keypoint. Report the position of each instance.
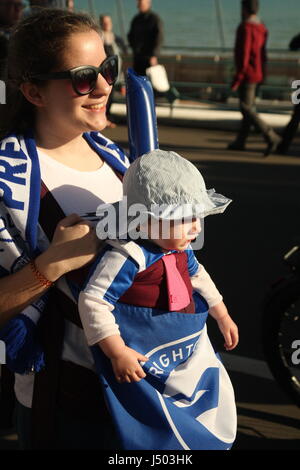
(145, 37)
(250, 59)
(291, 128)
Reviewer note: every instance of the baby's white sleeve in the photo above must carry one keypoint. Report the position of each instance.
(204, 285)
(112, 276)
(97, 320)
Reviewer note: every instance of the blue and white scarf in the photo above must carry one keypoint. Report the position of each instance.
(22, 238)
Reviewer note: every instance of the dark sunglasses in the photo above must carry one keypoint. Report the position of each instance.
(84, 78)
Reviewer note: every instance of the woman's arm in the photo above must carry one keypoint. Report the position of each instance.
(74, 245)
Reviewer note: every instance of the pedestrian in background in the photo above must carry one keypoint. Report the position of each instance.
(113, 45)
(292, 126)
(250, 61)
(145, 37)
(10, 13)
(70, 5)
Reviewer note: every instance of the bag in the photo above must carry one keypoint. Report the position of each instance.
(158, 77)
(186, 401)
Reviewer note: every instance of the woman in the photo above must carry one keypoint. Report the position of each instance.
(56, 106)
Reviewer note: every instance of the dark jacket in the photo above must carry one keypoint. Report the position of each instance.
(145, 35)
(295, 43)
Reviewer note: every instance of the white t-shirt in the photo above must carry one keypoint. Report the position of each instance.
(76, 192)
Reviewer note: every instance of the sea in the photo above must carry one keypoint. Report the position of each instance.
(203, 23)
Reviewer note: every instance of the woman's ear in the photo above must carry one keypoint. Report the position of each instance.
(32, 93)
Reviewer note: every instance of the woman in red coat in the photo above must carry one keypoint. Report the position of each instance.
(250, 60)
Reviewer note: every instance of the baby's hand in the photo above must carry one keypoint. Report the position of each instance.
(229, 330)
(126, 365)
(227, 327)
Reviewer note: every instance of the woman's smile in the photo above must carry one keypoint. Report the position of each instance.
(95, 108)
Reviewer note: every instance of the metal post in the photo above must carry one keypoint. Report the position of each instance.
(91, 7)
(120, 12)
(220, 23)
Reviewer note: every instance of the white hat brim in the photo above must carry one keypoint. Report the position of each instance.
(121, 224)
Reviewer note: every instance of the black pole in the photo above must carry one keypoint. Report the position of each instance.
(220, 22)
(91, 7)
(120, 12)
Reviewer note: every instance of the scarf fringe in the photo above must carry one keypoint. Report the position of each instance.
(23, 351)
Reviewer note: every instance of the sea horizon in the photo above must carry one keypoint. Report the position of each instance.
(195, 23)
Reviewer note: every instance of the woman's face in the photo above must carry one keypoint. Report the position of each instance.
(62, 109)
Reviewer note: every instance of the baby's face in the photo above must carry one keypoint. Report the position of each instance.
(173, 234)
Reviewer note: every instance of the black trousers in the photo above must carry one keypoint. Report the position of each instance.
(140, 64)
(72, 432)
(7, 398)
(247, 94)
(290, 129)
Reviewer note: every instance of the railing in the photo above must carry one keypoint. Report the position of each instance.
(201, 51)
(206, 73)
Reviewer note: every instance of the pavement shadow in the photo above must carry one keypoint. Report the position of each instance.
(267, 419)
(243, 252)
(207, 150)
(247, 442)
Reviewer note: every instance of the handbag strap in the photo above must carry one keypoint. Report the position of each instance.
(51, 335)
(50, 215)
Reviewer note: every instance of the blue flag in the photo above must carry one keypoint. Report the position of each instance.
(186, 401)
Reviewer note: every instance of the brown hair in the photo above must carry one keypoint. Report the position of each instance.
(36, 47)
(251, 6)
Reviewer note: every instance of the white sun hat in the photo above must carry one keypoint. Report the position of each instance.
(163, 185)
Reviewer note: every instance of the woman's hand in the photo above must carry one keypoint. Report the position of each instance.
(74, 245)
(153, 61)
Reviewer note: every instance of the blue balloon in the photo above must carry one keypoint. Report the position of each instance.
(141, 115)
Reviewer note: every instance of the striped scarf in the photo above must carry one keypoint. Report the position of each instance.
(22, 238)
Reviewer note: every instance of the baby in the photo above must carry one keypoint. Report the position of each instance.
(150, 263)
